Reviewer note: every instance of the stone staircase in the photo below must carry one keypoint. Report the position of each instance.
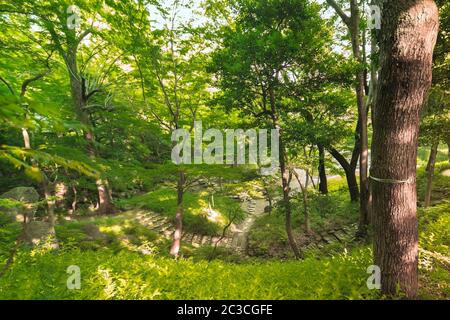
(164, 227)
(343, 234)
(236, 237)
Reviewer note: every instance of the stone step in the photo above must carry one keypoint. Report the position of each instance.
(167, 223)
(333, 234)
(341, 235)
(168, 233)
(206, 240)
(188, 237)
(196, 240)
(327, 239)
(158, 225)
(236, 240)
(223, 242)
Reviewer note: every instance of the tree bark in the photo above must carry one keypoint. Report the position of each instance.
(50, 203)
(176, 244)
(105, 205)
(430, 173)
(349, 174)
(362, 114)
(448, 146)
(408, 35)
(45, 182)
(284, 177)
(353, 24)
(304, 189)
(323, 183)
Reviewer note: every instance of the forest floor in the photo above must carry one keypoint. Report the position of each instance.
(125, 255)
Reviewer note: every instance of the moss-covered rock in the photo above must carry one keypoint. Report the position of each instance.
(23, 203)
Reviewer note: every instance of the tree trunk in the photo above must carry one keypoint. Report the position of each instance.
(105, 205)
(74, 201)
(408, 35)
(371, 100)
(50, 203)
(362, 114)
(284, 178)
(448, 146)
(268, 195)
(287, 206)
(304, 190)
(44, 184)
(430, 173)
(349, 174)
(176, 244)
(323, 183)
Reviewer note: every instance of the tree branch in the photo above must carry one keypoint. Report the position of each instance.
(27, 82)
(8, 85)
(345, 18)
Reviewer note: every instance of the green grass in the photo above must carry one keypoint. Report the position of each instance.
(196, 214)
(434, 225)
(120, 232)
(434, 237)
(127, 275)
(268, 236)
(441, 183)
(9, 231)
(116, 266)
(424, 152)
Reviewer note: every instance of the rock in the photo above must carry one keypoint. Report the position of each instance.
(40, 233)
(28, 196)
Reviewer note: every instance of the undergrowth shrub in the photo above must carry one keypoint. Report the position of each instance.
(127, 275)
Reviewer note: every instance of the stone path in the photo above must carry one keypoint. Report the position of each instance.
(236, 238)
(164, 227)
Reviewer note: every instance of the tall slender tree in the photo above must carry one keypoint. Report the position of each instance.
(353, 22)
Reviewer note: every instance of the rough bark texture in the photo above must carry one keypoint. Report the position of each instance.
(430, 173)
(408, 35)
(323, 183)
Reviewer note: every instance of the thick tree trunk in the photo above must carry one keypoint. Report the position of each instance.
(323, 183)
(430, 173)
(176, 244)
(349, 174)
(408, 36)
